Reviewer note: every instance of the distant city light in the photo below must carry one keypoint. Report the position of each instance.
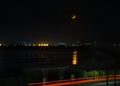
(0, 44)
(43, 44)
(114, 44)
(34, 44)
(29, 44)
(26, 44)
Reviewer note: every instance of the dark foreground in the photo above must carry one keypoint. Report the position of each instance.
(22, 65)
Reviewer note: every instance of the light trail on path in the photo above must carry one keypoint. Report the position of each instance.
(75, 81)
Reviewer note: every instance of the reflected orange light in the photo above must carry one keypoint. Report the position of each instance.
(74, 60)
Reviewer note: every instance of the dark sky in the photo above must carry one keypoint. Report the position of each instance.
(50, 20)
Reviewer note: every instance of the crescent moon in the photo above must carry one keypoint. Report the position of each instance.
(73, 16)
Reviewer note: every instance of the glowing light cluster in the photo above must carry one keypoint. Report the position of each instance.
(0, 44)
(74, 60)
(43, 44)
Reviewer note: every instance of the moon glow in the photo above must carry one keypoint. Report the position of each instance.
(73, 16)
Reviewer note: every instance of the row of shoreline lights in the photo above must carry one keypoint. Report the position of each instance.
(39, 44)
(43, 44)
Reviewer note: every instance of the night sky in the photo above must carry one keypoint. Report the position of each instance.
(50, 20)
